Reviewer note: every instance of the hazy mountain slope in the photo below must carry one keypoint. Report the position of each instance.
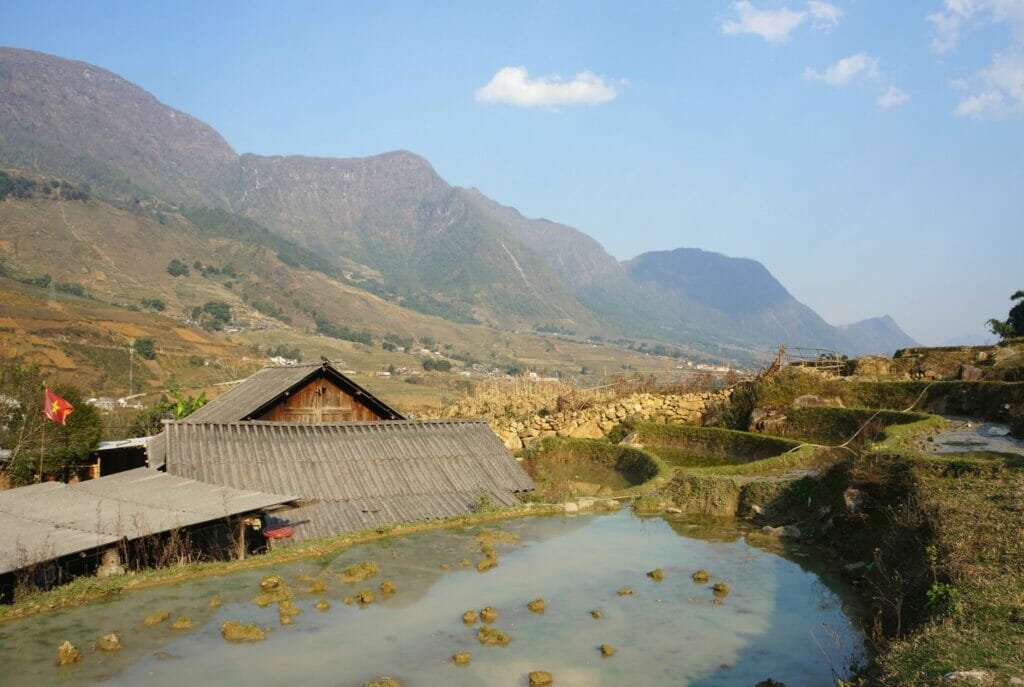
(77, 121)
(880, 335)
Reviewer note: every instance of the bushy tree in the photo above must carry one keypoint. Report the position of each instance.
(176, 268)
(1014, 324)
(23, 429)
(146, 348)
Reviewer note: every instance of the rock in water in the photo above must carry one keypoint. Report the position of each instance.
(384, 682)
(109, 642)
(625, 591)
(720, 589)
(68, 653)
(596, 614)
(156, 618)
(657, 575)
(234, 631)
(701, 576)
(488, 614)
(461, 658)
(323, 605)
(537, 605)
(387, 587)
(469, 617)
(182, 623)
(540, 678)
(607, 650)
(488, 636)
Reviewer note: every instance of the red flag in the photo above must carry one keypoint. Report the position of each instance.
(56, 408)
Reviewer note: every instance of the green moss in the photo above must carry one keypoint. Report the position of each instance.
(688, 446)
(559, 465)
(833, 426)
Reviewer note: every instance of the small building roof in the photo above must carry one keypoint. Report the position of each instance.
(43, 522)
(271, 383)
(354, 474)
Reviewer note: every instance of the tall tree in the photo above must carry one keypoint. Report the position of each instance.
(1014, 324)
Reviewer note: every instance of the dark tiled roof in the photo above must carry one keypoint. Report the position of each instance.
(46, 521)
(354, 475)
(268, 384)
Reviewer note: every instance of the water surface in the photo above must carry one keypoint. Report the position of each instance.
(781, 619)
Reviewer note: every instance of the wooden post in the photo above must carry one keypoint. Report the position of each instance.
(241, 539)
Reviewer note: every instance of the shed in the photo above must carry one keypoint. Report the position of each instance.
(352, 476)
(51, 521)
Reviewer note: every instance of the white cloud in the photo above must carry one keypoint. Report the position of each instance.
(825, 15)
(955, 13)
(999, 90)
(845, 70)
(893, 97)
(775, 25)
(513, 86)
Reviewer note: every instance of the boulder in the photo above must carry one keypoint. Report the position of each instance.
(970, 677)
(68, 653)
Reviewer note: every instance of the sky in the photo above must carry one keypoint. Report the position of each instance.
(870, 154)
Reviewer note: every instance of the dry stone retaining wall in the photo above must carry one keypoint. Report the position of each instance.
(596, 421)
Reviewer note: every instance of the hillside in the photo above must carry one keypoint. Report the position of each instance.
(386, 225)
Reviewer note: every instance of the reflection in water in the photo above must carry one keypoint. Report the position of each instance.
(779, 620)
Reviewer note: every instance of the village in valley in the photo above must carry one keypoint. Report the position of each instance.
(292, 394)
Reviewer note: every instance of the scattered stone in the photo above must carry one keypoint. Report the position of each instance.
(539, 678)
(109, 642)
(357, 572)
(607, 650)
(273, 596)
(234, 631)
(596, 614)
(1016, 681)
(323, 605)
(365, 597)
(489, 636)
(537, 605)
(701, 576)
(387, 587)
(657, 574)
(156, 618)
(488, 614)
(68, 653)
(974, 677)
(285, 608)
(625, 591)
(854, 500)
(272, 582)
(215, 602)
(465, 563)
(485, 564)
(462, 658)
(469, 617)
(183, 622)
(384, 682)
(720, 589)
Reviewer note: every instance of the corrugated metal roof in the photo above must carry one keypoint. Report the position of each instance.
(45, 521)
(358, 474)
(269, 383)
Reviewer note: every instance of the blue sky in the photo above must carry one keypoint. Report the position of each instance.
(870, 154)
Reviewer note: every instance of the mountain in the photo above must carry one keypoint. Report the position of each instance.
(878, 335)
(388, 225)
(743, 302)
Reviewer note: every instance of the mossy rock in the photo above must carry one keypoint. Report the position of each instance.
(657, 574)
(109, 642)
(183, 622)
(215, 602)
(489, 636)
(274, 596)
(607, 650)
(323, 605)
(285, 608)
(495, 537)
(720, 589)
(462, 658)
(485, 564)
(234, 631)
(272, 582)
(701, 576)
(156, 618)
(648, 504)
(387, 587)
(365, 597)
(465, 562)
(537, 605)
(318, 587)
(540, 678)
(770, 683)
(384, 682)
(625, 591)
(596, 614)
(488, 614)
(469, 617)
(357, 572)
(68, 653)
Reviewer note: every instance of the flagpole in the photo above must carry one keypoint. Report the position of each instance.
(42, 442)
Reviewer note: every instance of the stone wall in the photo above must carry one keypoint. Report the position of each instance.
(596, 421)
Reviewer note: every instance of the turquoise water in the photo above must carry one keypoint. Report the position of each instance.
(781, 619)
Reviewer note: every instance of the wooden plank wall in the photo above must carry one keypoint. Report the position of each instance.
(320, 400)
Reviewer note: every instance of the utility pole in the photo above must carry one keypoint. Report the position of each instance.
(131, 366)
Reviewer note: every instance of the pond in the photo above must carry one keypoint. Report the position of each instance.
(973, 436)
(783, 617)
